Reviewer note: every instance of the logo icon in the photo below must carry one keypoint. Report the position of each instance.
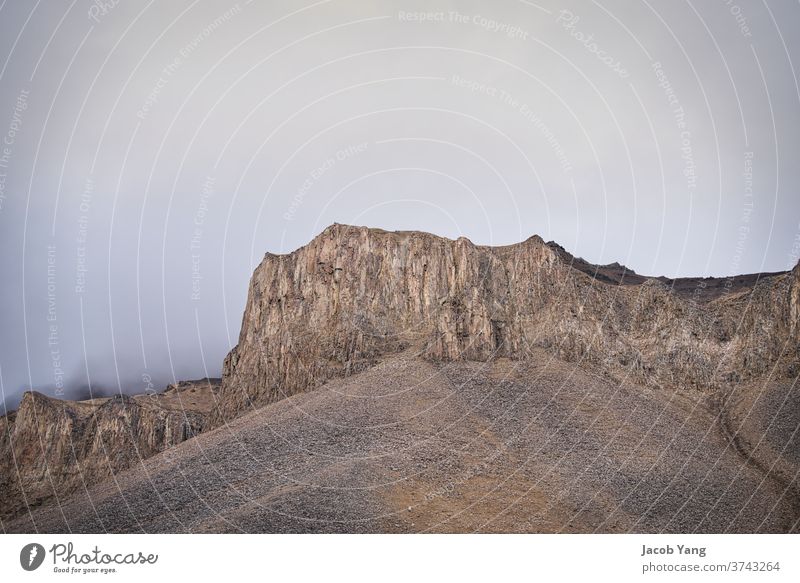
(31, 556)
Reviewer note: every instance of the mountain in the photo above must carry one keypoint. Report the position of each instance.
(49, 448)
(353, 294)
(400, 381)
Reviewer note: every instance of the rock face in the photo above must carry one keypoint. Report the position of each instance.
(49, 448)
(464, 337)
(331, 308)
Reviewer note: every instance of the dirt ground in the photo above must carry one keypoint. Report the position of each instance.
(411, 446)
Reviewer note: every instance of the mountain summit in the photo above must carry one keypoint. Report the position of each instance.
(456, 388)
(354, 294)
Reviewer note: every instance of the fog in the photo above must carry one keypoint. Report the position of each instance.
(153, 152)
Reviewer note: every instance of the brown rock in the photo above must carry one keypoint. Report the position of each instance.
(332, 307)
(49, 448)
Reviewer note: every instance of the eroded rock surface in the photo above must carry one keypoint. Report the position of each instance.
(50, 448)
(580, 394)
(333, 307)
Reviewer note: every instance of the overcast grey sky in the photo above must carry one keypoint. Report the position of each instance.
(152, 152)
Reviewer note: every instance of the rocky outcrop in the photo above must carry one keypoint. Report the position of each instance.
(353, 297)
(352, 294)
(49, 448)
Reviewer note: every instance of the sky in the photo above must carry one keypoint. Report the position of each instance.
(153, 152)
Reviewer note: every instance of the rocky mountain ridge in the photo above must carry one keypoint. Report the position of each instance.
(49, 448)
(354, 297)
(332, 307)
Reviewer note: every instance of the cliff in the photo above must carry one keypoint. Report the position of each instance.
(464, 337)
(332, 307)
(50, 448)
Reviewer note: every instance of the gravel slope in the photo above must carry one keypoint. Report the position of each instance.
(408, 446)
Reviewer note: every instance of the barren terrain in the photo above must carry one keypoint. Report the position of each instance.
(413, 446)
(403, 382)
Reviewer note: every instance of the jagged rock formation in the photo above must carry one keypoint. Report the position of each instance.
(49, 447)
(467, 388)
(333, 307)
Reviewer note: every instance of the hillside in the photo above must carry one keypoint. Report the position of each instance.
(416, 446)
(400, 381)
